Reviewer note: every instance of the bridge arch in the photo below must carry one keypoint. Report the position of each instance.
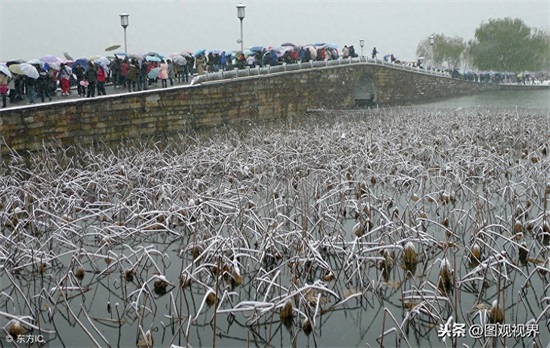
(365, 91)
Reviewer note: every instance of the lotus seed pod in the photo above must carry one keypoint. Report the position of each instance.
(523, 253)
(518, 227)
(307, 327)
(79, 273)
(445, 282)
(475, 255)
(496, 314)
(286, 312)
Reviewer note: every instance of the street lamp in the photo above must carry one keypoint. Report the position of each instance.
(362, 44)
(124, 23)
(240, 14)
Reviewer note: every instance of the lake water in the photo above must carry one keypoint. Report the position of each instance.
(536, 99)
(295, 192)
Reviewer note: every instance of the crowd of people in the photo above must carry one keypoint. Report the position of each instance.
(141, 72)
(137, 73)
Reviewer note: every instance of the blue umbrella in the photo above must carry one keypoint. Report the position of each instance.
(215, 51)
(82, 61)
(155, 54)
(154, 73)
(152, 59)
(256, 48)
(199, 52)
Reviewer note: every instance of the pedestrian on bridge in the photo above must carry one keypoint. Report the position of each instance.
(79, 72)
(374, 53)
(163, 74)
(101, 78)
(4, 79)
(64, 77)
(91, 77)
(43, 86)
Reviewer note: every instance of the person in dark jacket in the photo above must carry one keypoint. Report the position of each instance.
(133, 75)
(30, 84)
(142, 78)
(115, 70)
(91, 77)
(79, 72)
(43, 86)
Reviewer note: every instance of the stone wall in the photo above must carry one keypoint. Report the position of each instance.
(210, 104)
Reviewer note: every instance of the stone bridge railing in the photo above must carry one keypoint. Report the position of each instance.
(216, 76)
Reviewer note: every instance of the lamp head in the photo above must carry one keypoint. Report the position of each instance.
(240, 11)
(124, 19)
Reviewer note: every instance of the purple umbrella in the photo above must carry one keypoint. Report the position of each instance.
(50, 59)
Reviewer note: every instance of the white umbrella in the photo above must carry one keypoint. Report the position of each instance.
(179, 60)
(36, 62)
(137, 56)
(24, 69)
(4, 69)
(68, 56)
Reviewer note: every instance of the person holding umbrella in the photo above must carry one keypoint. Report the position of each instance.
(101, 78)
(374, 53)
(4, 79)
(171, 72)
(43, 86)
(64, 77)
(79, 72)
(133, 74)
(91, 77)
(30, 84)
(163, 74)
(200, 63)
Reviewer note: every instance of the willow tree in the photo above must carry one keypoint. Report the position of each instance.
(509, 45)
(444, 50)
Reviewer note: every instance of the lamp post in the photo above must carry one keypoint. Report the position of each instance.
(362, 44)
(124, 23)
(240, 15)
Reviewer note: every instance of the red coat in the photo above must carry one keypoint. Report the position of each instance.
(101, 75)
(124, 69)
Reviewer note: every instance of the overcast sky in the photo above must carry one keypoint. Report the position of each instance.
(31, 29)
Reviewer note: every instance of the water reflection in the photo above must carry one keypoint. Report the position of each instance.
(535, 99)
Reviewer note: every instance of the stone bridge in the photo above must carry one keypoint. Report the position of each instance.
(225, 98)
